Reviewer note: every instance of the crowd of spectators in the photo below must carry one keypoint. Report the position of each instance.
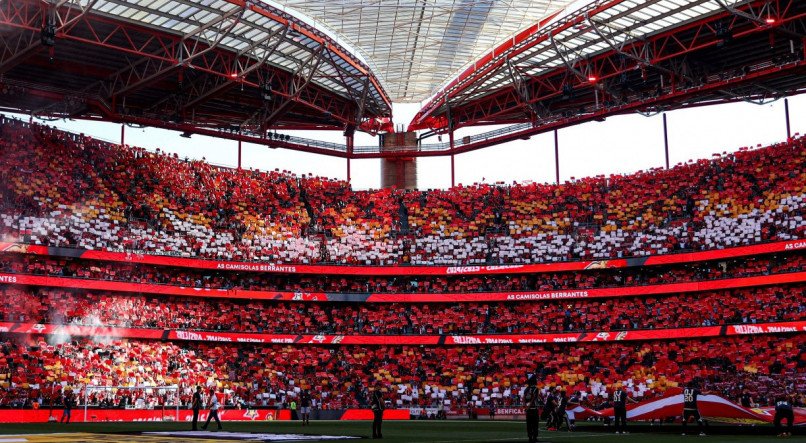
(593, 278)
(70, 190)
(78, 307)
(36, 371)
(63, 189)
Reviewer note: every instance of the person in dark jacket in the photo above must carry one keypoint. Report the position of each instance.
(305, 407)
(690, 407)
(562, 405)
(68, 407)
(784, 411)
(620, 399)
(377, 405)
(196, 404)
(530, 399)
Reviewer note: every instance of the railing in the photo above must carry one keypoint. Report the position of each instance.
(446, 147)
(430, 147)
(342, 149)
(318, 144)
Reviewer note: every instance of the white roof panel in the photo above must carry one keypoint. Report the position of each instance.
(414, 46)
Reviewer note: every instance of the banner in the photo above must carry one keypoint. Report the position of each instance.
(80, 331)
(185, 415)
(711, 407)
(445, 297)
(113, 286)
(367, 414)
(163, 260)
(431, 340)
(134, 415)
(309, 339)
(623, 291)
(768, 328)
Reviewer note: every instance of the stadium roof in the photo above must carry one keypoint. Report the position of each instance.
(243, 68)
(414, 46)
(218, 63)
(238, 25)
(544, 71)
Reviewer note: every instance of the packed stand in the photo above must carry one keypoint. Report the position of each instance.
(77, 307)
(71, 190)
(594, 278)
(36, 371)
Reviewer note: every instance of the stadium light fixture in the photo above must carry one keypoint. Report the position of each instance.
(770, 20)
(592, 78)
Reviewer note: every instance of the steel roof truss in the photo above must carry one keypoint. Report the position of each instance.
(300, 81)
(766, 11)
(28, 42)
(208, 87)
(188, 49)
(519, 85)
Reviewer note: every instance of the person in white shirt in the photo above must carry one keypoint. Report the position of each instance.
(213, 404)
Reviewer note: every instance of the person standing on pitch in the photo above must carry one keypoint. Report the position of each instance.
(746, 400)
(620, 400)
(562, 415)
(550, 411)
(570, 412)
(68, 407)
(213, 405)
(690, 409)
(305, 407)
(784, 411)
(196, 404)
(376, 403)
(530, 400)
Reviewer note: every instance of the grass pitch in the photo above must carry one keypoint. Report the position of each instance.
(393, 432)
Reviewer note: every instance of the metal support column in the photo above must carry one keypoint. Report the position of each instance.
(239, 154)
(556, 157)
(666, 140)
(350, 141)
(453, 165)
(786, 115)
(453, 172)
(122, 134)
(450, 141)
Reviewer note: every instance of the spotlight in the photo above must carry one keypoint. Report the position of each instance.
(592, 78)
(266, 91)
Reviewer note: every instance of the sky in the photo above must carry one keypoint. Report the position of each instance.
(621, 144)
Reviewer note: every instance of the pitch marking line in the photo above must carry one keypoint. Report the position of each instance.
(540, 438)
